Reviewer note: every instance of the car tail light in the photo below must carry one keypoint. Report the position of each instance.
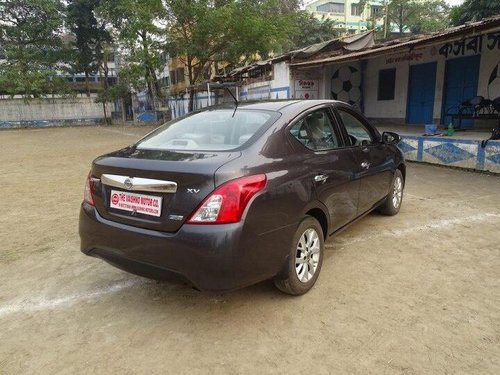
(227, 203)
(87, 195)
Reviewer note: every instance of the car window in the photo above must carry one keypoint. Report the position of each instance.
(357, 131)
(214, 130)
(315, 131)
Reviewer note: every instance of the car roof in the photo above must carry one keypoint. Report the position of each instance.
(280, 105)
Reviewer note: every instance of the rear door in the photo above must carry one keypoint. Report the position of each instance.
(329, 166)
(373, 166)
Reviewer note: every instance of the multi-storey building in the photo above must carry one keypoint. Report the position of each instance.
(347, 13)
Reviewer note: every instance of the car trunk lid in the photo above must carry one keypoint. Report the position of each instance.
(153, 189)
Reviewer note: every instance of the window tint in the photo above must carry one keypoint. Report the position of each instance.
(315, 131)
(215, 130)
(358, 133)
(386, 84)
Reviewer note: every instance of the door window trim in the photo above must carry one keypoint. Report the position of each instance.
(334, 126)
(374, 133)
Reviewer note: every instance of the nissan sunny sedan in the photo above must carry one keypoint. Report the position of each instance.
(227, 197)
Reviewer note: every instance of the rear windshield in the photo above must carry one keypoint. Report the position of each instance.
(215, 130)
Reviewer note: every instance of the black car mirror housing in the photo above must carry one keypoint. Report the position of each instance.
(390, 138)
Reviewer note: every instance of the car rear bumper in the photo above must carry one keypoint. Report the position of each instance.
(209, 257)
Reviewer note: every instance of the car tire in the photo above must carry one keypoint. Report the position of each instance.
(392, 204)
(305, 260)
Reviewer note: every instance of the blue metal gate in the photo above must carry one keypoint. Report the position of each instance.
(421, 91)
(460, 83)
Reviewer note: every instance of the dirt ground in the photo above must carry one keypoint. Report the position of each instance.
(418, 293)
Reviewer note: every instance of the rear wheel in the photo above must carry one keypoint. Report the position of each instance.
(394, 200)
(306, 258)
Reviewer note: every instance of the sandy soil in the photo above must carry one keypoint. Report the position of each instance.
(418, 293)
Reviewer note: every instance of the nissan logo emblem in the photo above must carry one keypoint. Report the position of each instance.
(128, 183)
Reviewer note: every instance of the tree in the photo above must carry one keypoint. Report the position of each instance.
(204, 33)
(91, 35)
(474, 10)
(138, 31)
(417, 16)
(30, 36)
(110, 94)
(311, 30)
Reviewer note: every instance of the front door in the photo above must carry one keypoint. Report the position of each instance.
(374, 166)
(421, 92)
(460, 83)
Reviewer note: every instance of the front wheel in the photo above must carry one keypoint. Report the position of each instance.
(306, 258)
(394, 200)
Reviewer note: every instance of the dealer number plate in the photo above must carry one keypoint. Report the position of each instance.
(133, 202)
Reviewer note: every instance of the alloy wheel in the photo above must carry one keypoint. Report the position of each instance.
(307, 255)
(397, 192)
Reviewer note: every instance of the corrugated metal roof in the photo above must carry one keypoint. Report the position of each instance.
(407, 42)
(350, 42)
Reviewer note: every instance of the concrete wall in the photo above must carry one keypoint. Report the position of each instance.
(316, 79)
(43, 111)
(277, 88)
(344, 82)
(452, 152)
(179, 105)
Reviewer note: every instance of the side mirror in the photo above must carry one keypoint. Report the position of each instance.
(390, 138)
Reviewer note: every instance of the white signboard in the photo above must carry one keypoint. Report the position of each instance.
(306, 89)
(132, 202)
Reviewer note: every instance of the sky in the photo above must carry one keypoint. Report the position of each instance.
(451, 2)
(454, 2)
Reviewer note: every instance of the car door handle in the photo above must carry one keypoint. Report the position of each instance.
(320, 178)
(365, 165)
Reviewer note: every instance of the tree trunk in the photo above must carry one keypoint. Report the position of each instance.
(124, 115)
(191, 80)
(401, 21)
(104, 69)
(109, 121)
(87, 88)
(105, 112)
(148, 70)
(191, 100)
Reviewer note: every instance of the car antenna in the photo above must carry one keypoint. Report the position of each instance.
(235, 100)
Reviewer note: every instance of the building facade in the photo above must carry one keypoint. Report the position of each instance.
(415, 80)
(347, 13)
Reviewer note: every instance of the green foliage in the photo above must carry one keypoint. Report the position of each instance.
(91, 35)
(362, 6)
(474, 10)
(33, 84)
(418, 16)
(139, 33)
(311, 30)
(203, 33)
(112, 93)
(34, 53)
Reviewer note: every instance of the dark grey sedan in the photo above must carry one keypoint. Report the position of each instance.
(227, 197)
